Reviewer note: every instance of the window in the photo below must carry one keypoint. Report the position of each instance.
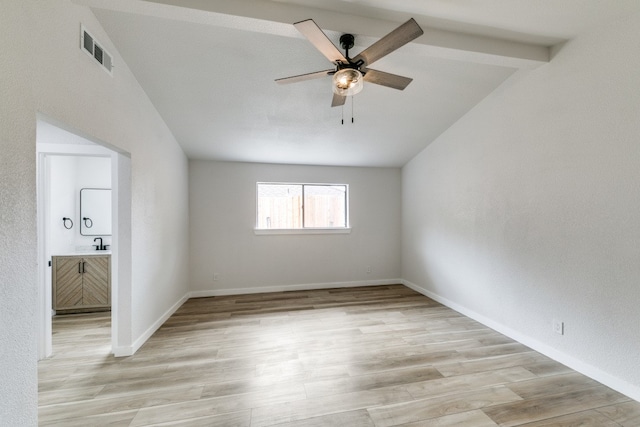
(289, 206)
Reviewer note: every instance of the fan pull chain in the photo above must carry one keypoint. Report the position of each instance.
(352, 101)
(342, 110)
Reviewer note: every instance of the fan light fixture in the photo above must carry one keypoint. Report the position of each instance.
(347, 82)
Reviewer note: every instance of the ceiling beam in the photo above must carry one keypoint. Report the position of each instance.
(276, 18)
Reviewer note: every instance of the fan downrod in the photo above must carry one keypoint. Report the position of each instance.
(347, 41)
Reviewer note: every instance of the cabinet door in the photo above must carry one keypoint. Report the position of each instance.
(67, 282)
(95, 290)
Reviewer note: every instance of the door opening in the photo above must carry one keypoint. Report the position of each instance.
(66, 161)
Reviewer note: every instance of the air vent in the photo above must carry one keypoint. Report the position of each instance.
(92, 47)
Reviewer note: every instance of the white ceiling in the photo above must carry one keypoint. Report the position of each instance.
(209, 68)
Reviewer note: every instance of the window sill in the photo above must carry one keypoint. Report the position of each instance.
(275, 231)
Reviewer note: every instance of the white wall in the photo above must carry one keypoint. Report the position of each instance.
(43, 70)
(18, 278)
(528, 209)
(61, 180)
(67, 176)
(222, 201)
(116, 110)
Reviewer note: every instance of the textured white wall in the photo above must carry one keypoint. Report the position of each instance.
(117, 111)
(222, 202)
(18, 279)
(528, 209)
(43, 70)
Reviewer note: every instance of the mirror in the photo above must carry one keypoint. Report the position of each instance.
(95, 211)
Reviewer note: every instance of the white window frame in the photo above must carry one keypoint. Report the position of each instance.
(305, 230)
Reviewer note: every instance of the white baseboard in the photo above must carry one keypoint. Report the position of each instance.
(285, 288)
(124, 351)
(593, 372)
(590, 371)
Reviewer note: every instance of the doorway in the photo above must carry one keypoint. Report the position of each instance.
(56, 145)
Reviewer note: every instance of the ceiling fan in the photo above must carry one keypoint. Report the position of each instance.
(349, 73)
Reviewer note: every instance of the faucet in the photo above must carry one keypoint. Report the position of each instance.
(101, 246)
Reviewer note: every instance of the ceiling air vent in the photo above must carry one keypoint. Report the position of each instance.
(91, 47)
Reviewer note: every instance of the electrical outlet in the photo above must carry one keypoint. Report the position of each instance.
(368, 269)
(558, 327)
(215, 277)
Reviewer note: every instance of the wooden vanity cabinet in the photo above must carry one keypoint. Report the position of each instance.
(81, 283)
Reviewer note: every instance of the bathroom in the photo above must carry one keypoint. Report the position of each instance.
(80, 232)
(75, 204)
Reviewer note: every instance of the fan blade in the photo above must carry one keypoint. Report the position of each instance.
(319, 39)
(386, 79)
(402, 35)
(303, 77)
(338, 100)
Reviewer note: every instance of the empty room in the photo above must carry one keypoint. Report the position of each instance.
(320, 213)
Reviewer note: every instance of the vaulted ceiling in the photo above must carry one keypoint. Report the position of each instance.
(209, 68)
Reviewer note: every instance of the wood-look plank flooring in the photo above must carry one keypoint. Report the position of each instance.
(372, 356)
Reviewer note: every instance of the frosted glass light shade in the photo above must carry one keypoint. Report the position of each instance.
(347, 82)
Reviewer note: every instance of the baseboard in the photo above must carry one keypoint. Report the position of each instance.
(285, 288)
(578, 365)
(124, 351)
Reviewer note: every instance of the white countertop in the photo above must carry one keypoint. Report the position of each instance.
(85, 253)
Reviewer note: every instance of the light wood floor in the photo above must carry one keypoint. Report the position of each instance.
(373, 356)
